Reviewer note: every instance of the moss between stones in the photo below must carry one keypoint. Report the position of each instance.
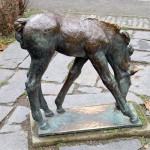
(4, 83)
(24, 94)
(144, 98)
(124, 28)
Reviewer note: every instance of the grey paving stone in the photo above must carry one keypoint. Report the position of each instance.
(134, 144)
(50, 88)
(139, 44)
(14, 141)
(90, 90)
(134, 98)
(58, 69)
(15, 88)
(140, 81)
(118, 21)
(19, 115)
(83, 100)
(12, 56)
(108, 18)
(139, 56)
(101, 84)
(4, 111)
(124, 22)
(10, 128)
(88, 75)
(5, 74)
(26, 63)
(141, 35)
(90, 99)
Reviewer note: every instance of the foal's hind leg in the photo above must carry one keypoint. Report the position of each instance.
(43, 104)
(73, 74)
(37, 68)
(42, 101)
(99, 61)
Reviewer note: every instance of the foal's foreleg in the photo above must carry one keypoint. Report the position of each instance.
(73, 74)
(100, 63)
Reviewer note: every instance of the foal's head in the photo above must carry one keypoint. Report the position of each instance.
(119, 58)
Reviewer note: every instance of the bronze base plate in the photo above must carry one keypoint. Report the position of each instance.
(114, 126)
(90, 118)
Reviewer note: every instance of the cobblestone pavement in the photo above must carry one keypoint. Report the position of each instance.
(126, 22)
(126, 13)
(87, 89)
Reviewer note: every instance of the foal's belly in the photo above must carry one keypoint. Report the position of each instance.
(71, 49)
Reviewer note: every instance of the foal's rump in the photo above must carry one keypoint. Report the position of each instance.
(37, 32)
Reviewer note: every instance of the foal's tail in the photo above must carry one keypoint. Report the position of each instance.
(19, 26)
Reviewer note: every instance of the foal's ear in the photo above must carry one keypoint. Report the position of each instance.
(126, 37)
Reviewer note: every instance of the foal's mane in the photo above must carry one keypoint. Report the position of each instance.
(113, 26)
(116, 28)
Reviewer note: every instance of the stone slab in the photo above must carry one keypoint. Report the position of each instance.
(12, 56)
(90, 90)
(143, 131)
(133, 144)
(13, 124)
(53, 89)
(90, 99)
(10, 128)
(90, 118)
(88, 75)
(140, 81)
(5, 74)
(141, 35)
(4, 111)
(9, 93)
(57, 69)
(140, 44)
(101, 84)
(19, 115)
(14, 141)
(26, 63)
(142, 57)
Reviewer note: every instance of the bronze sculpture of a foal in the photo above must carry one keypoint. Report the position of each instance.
(89, 39)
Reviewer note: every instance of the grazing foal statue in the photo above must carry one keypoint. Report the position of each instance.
(89, 39)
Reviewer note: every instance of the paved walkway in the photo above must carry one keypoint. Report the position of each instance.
(126, 13)
(126, 22)
(88, 89)
(100, 7)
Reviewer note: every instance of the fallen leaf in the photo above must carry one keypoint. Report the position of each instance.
(147, 105)
(146, 146)
(1, 49)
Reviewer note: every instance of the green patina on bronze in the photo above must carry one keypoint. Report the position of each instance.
(102, 135)
(88, 118)
(100, 42)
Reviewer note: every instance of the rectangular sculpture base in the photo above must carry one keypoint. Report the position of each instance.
(90, 118)
(89, 123)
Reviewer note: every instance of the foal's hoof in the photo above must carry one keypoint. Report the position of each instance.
(61, 111)
(49, 114)
(45, 126)
(117, 106)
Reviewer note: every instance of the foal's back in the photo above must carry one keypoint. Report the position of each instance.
(70, 37)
